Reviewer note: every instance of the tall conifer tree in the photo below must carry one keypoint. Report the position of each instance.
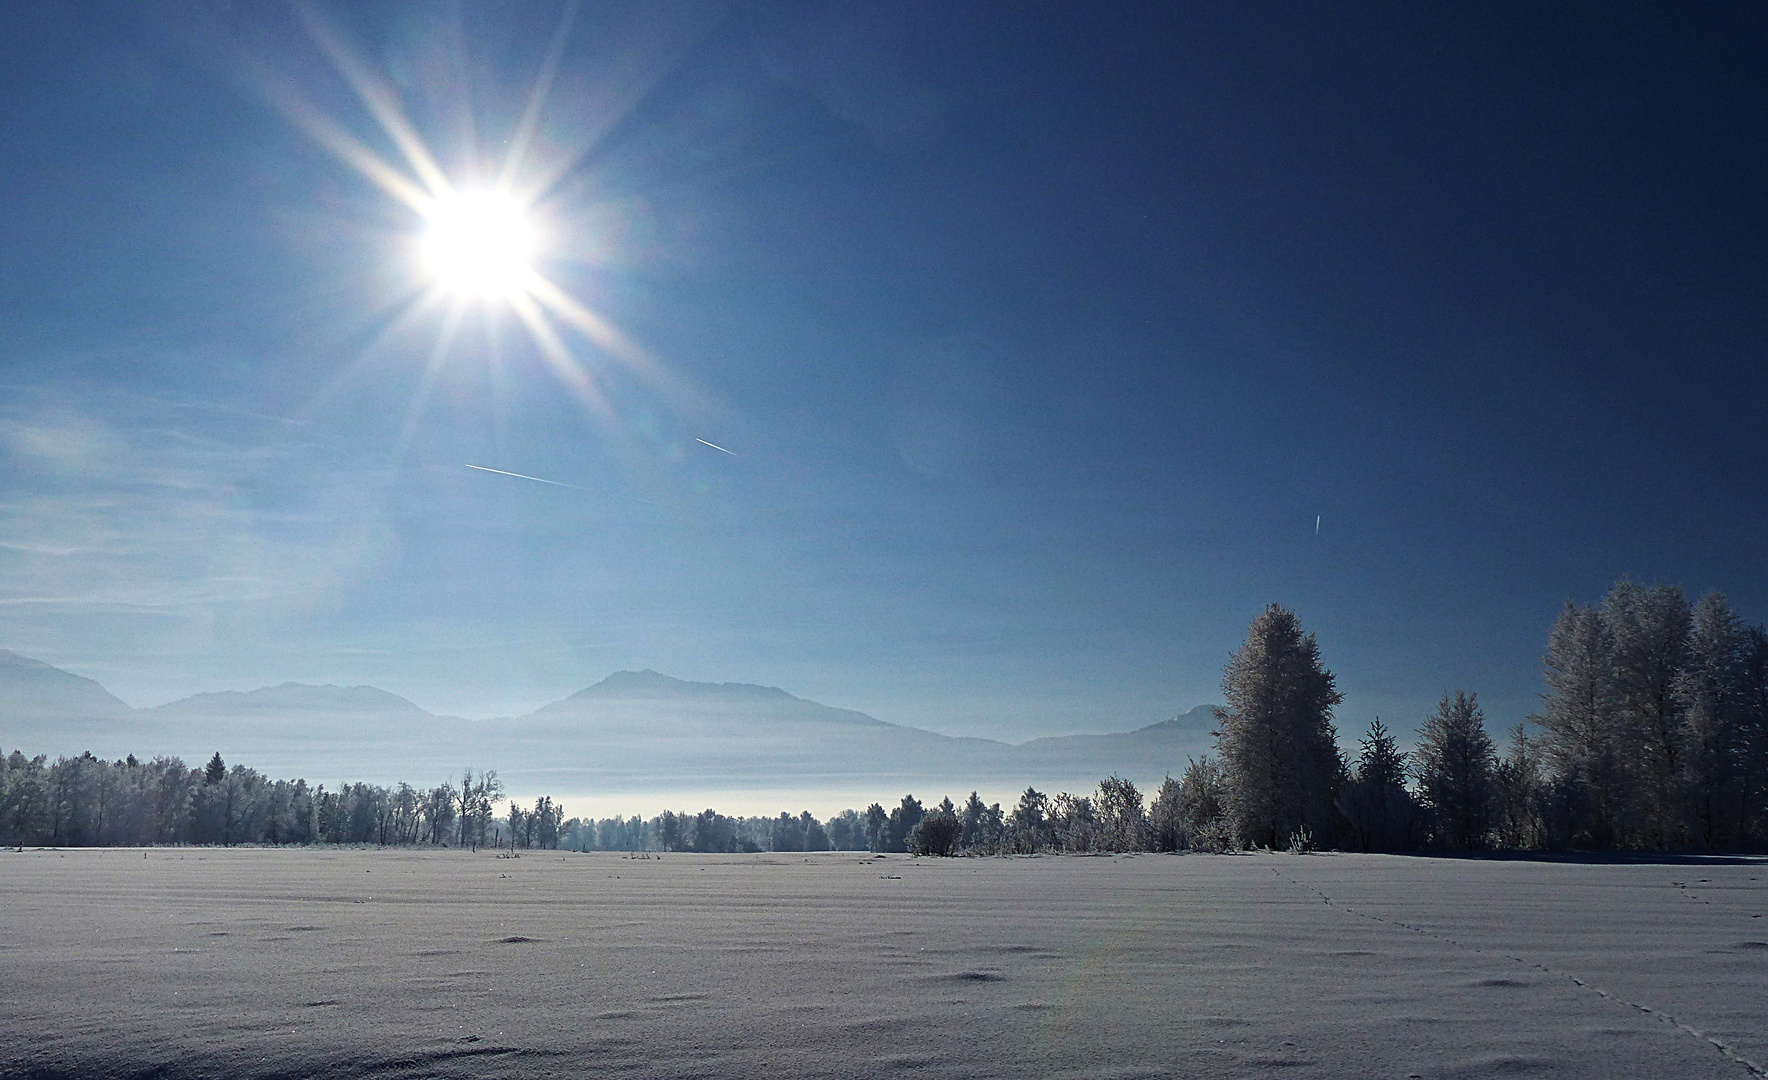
(1456, 760)
(1277, 746)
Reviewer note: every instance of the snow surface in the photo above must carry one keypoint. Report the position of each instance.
(279, 963)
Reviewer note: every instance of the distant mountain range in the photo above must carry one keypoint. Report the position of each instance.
(635, 732)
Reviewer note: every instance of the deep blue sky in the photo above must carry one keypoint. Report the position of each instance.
(1041, 336)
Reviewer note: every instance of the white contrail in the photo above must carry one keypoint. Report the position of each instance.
(556, 483)
(1316, 524)
(715, 446)
(524, 476)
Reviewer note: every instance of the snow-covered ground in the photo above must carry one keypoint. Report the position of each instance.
(256, 963)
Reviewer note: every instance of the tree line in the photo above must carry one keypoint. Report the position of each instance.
(86, 801)
(1114, 818)
(1652, 733)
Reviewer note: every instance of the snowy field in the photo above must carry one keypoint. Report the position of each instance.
(254, 963)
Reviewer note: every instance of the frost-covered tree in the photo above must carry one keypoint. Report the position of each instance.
(816, 838)
(984, 826)
(1074, 822)
(1710, 693)
(477, 794)
(1519, 790)
(1166, 825)
(974, 810)
(877, 828)
(1030, 822)
(786, 834)
(1203, 805)
(1123, 822)
(1277, 746)
(1752, 721)
(1580, 730)
(1650, 629)
(847, 832)
(1455, 760)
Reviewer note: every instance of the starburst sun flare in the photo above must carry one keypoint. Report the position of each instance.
(479, 245)
(473, 244)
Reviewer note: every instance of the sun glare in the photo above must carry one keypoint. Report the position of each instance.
(480, 245)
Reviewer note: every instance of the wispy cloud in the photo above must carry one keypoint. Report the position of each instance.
(118, 505)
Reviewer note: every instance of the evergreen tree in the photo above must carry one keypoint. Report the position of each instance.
(847, 832)
(877, 825)
(972, 819)
(1276, 742)
(1377, 807)
(1455, 761)
(903, 819)
(1030, 822)
(816, 838)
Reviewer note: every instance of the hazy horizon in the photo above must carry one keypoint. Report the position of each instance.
(597, 682)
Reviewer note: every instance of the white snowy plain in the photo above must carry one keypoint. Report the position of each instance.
(179, 963)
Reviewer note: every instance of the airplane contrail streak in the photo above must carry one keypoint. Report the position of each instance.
(556, 483)
(715, 446)
(524, 476)
(1316, 524)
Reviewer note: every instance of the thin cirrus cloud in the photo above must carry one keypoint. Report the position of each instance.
(115, 508)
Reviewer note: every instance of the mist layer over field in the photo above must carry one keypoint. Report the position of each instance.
(258, 963)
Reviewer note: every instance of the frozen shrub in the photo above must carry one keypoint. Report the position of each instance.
(935, 834)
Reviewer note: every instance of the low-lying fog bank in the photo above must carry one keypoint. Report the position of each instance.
(278, 963)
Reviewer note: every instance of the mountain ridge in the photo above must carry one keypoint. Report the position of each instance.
(40, 687)
(633, 731)
(294, 695)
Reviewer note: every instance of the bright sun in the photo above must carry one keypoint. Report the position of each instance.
(479, 245)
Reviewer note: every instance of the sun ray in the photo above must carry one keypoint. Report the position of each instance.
(607, 337)
(427, 380)
(628, 82)
(477, 244)
(381, 101)
(418, 306)
(332, 136)
(553, 349)
(543, 81)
